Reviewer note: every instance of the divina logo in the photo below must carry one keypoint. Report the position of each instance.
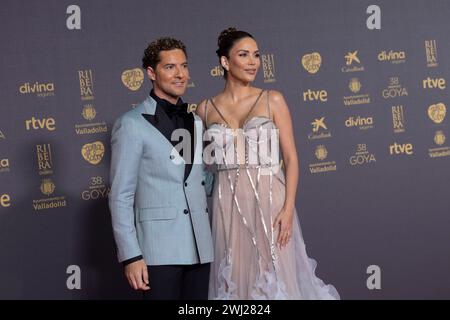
(217, 71)
(392, 56)
(361, 122)
(40, 89)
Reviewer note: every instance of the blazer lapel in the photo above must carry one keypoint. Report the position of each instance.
(158, 119)
(190, 126)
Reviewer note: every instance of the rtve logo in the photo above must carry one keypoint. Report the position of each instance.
(45, 123)
(401, 148)
(5, 200)
(311, 95)
(431, 83)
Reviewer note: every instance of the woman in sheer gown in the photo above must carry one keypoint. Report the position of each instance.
(259, 247)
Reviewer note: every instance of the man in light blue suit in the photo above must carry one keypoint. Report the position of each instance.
(158, 203)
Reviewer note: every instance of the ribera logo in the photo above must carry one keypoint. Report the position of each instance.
(398, 119)
(431, 53)
(44, 159)
(5, 200)
(268, 64)
(45, 123)
(41, 90)
(86, 84)
(395, 57)
(363, 123)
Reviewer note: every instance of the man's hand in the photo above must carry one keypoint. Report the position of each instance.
(137, 275)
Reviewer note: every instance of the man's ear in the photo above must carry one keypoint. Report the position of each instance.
(151, 73)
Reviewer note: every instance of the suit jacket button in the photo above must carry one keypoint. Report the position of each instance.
(185, 184)
(172, 157)
(206, 209)
(203, 183)
(186, 211)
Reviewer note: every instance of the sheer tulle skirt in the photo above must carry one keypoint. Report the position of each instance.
(246, 264)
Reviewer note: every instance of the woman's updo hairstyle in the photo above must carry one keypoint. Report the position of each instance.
(226, 41)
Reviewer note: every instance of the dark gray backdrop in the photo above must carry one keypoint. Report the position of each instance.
(393, 212)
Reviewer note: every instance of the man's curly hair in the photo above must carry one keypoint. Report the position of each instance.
(151, 54)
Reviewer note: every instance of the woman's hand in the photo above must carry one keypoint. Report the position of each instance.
(283, 222)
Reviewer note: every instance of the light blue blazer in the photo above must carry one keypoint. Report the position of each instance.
(155, 213)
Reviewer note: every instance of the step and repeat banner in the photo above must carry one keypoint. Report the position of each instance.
(365, 81)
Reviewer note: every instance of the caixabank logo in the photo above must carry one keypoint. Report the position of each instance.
(352, 62)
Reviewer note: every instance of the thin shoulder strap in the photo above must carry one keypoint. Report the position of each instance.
(268, 105)
(206, 112)
(220, 113)
(254, 104)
